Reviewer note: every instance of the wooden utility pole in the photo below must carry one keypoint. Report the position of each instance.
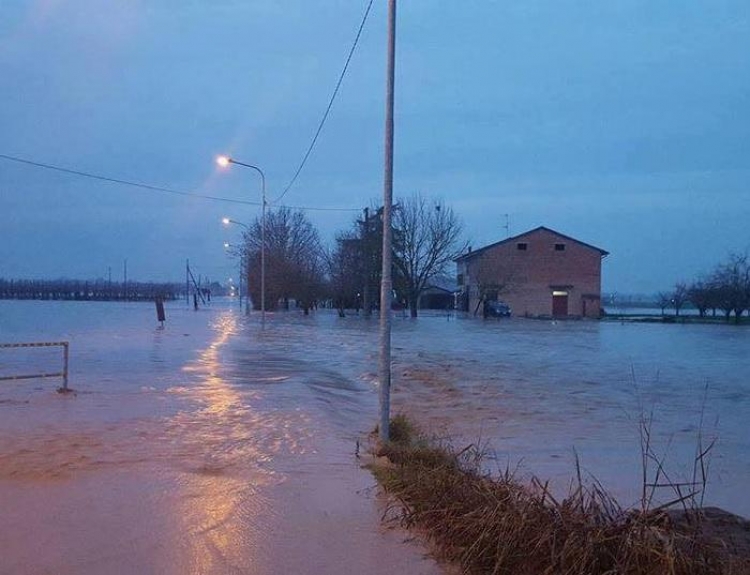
(386, 283)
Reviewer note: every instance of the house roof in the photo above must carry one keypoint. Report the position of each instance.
(443, 283)
(481, 250)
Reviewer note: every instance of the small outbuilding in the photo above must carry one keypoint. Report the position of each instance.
(439, 294)
(540, 273)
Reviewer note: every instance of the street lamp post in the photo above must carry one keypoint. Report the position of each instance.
(226, 222)
(227, 246)
(224, 161)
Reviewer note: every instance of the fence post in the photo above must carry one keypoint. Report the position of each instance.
(65, 365)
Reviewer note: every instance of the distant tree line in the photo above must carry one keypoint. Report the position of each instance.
(725, 288)
(88, 290)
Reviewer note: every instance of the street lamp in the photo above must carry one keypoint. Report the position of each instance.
(227, 221)
(224, 162)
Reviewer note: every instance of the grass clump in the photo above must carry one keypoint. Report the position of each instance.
(402, 430)
(497, 525)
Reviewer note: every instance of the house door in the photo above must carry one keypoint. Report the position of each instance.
(559, 303)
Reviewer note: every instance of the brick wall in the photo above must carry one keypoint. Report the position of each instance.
(528, 277)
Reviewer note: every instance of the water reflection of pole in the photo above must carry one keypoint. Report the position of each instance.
(386, 280)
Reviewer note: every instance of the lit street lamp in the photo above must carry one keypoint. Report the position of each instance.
(227, 221)
(224, 162)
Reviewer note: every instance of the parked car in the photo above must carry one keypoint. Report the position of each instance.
(496, 309)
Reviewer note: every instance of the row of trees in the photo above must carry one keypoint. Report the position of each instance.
(725, 288)
(82, 290)
(426, 238)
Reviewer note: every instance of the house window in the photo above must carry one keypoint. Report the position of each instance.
(523, 246)
(559, 247)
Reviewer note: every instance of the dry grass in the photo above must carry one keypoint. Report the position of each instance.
(498, 525)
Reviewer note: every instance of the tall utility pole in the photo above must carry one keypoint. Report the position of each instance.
(386, 284)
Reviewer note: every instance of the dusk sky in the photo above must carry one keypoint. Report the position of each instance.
(624, 124)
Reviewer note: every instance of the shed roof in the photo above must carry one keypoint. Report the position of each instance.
(481, 250)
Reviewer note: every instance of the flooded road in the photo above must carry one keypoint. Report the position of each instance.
(212, 447)
(200, 448)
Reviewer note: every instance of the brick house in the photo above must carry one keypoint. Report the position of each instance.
(540, 273)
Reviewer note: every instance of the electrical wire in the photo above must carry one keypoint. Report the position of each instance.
(330, 105)
(154, 188)
(123, 182)
(216, 198)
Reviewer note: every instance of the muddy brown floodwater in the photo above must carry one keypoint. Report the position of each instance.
(211, 446)
(196, 449)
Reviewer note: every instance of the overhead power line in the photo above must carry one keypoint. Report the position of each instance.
(330, 105)
(154, 188)
(120, 181)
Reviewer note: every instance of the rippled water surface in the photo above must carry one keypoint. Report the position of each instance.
(209, 446)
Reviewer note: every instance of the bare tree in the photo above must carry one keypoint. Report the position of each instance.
(732, 280)
(493, 278)
(727, 288)
(664, 299)
(294, 259)
(699, 294)
(426, 240)
(344, 263)
(679, 297)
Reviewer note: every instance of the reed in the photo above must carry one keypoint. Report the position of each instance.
(497, 524)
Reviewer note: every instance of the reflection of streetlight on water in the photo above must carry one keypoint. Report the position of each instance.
(224, 162)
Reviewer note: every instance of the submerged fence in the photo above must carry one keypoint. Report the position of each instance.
(63, 374)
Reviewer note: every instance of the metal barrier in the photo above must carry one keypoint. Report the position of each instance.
(64, 373)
